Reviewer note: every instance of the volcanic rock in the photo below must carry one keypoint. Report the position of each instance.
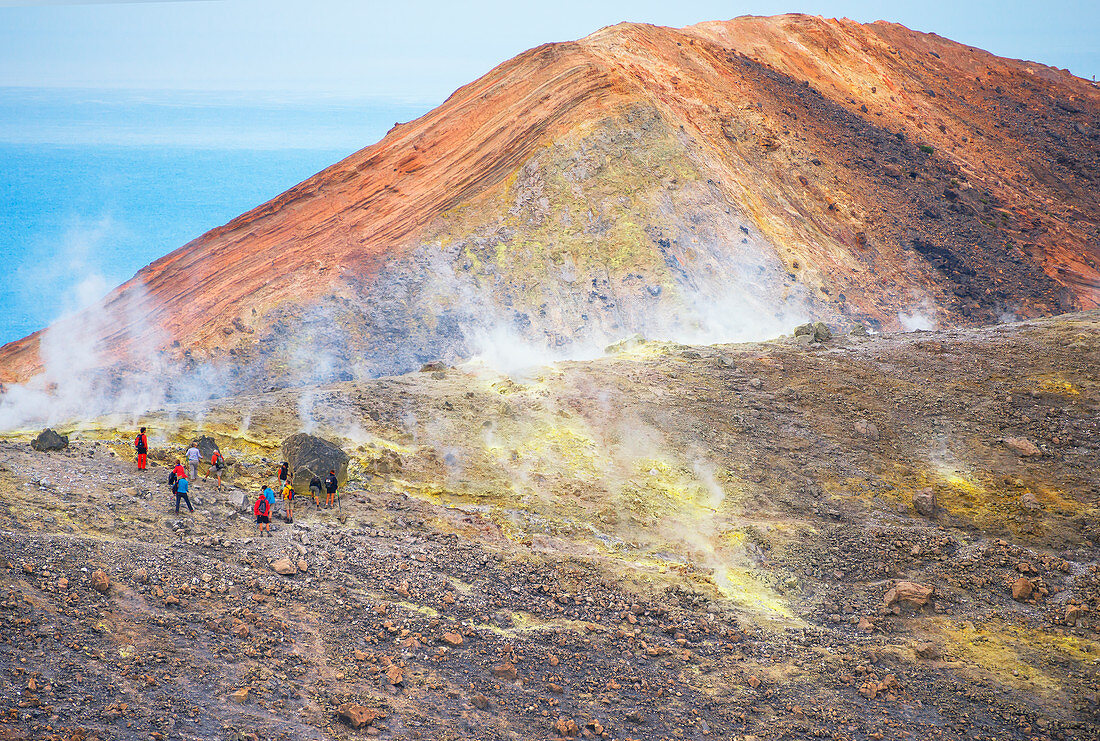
(1073, 613)
(567, 727)
(625, 344)
(1021, 446)
(907, 593)
(100, 582)
(50, 440)
(929, 651)
(505, 671)
(815, 332)
(311, 456)
(284, 566)
(239, 500)
(924, 502)
(206, 445)
(1022, 589)
(867, 429)
(395, 674)
(358, 716)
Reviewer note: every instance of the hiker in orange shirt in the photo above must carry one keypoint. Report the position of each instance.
(217, 465)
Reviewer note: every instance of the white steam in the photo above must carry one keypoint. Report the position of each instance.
(919, 317)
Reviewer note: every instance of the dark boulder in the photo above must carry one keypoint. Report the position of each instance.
(311, 456)
(50, 440)
(207, 445)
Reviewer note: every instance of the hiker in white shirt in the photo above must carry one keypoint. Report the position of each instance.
(193, 458)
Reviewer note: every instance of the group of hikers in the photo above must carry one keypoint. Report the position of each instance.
(181, 480)
(178, 478)
(265, 502)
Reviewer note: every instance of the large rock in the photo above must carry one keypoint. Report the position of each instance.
(101, 582)
(311, 456)
(907, 593)
(358, 716)
(1022, 589)
(1022, 447)
(924, 502)
(284, 566)
(815, 332)
(50, 440)
(929, 651)
(239, 500)
(207, 445)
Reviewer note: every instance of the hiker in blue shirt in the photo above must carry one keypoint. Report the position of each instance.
(270, 495)
(180, 487)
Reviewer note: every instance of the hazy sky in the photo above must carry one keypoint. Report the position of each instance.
(421, 51)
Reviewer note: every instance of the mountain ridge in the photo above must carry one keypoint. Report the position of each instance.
(913, 205)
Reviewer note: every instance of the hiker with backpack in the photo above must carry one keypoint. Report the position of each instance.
(262, 510)
(141, 444)
(288, 497)
(181, 488)
(217, 465)
(331, 485)
(315, 488)
(176, 473)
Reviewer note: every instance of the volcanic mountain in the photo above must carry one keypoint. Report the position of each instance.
(716, 182)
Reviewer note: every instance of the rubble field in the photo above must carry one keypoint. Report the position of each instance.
(847, 537)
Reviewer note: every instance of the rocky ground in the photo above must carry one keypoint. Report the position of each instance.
(886, 536)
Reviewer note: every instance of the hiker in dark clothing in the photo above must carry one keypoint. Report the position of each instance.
(181, 486)
(315, 488)
(331, 485)
(284, 473)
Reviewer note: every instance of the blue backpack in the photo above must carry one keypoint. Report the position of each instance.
(181, 486)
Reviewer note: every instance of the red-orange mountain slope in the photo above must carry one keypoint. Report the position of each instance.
(775, 168)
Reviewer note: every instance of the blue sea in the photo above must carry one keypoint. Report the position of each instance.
(93, 185)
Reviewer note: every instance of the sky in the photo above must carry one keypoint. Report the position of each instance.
(418, 52)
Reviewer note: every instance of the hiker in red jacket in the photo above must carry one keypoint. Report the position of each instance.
(141, 443)
(262, 509)
(217, 465)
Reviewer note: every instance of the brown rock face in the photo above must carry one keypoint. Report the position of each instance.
(284, 566)
(635, 180)
(907, 593)
(567, 727)
(506, 671)
(1023, 447)
(395, 674)
(358, 716)
(929, 651)
(100, 582)
(1022, 589)
(924, 502)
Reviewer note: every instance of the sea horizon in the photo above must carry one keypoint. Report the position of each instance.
(96, 184)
